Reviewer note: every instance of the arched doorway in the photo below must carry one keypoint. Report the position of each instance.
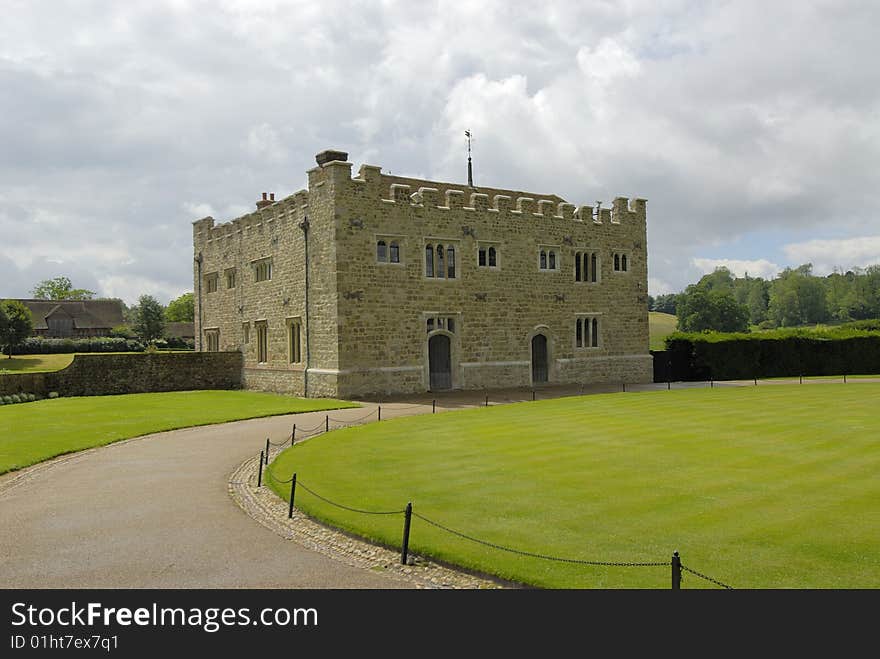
(440, 362)
(539, 359)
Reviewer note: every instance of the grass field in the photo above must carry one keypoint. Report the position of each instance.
(660, 325)
(52, 362)
(772, 487)
(34, 363)
(33, 432)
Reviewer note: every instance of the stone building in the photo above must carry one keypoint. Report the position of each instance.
(74, 318)
(385, 284)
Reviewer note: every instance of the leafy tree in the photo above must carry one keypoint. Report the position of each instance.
(60, 288)
(665, 303)
(757, 299)
(149, 322)
(719, 280)
(16, 324)
(797, 298)
(180, 310)
(700, 310)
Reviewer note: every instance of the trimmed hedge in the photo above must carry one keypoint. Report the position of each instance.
(41, 346)
(783, 353)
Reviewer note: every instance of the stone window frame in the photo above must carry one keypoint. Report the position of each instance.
(621, 261)
(212, 339)
(246, 333)
(294, 327)
(443, 321)
(262, 269)
(445, 244)
(212, 282)
(552, 253)
(488, 246)
(262, 328)
(593, 260)
(230, 278)
(588, 331)
(390, 241)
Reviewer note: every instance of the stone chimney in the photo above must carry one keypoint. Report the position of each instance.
(266, 201)
(329, 156)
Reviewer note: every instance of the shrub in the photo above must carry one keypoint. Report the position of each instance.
(177, 343)
(16, 398)
(7, 400)
(53, 394)
(122, 331)
(31, 398)
(777, 353)
(43, 346)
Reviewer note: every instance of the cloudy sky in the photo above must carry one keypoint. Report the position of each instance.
(752, 128)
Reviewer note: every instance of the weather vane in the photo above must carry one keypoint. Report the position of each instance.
(467, 134)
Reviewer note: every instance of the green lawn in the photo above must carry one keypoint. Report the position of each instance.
(32, 432)
(52, 362)
(34, 363)
(660, 325)
(767, 487)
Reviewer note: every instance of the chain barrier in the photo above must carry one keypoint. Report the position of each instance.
(703, 576)
(271, 443)
(360, 418)
(545, 557)
(349, 508)
(272, 475)
(308, 430)
(402, 406)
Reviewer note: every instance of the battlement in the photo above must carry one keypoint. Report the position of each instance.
(333, 173)
(275, 213)
(622, 208)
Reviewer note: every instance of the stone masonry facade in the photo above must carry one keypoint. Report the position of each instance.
(380, 284)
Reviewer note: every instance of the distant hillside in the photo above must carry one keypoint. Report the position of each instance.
(660, 325)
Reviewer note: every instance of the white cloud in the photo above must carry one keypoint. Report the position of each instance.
(197, 210)
(841, 253)
(659, 287)
(122, 122)
(607, 61)
(264, 142)
(757, 268)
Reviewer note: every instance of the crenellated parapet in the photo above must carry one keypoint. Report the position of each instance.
(269, 216)
(622, 208)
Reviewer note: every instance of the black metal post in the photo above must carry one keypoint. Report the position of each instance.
(487, 401)
(327, 423)
(623, 386)
(802, 378)
(668, 385)
(756, 380)
(380, 413)
(267, 450)
(407, 519)
(292, 492)
(533, 395)
(434, 406)
(676, 571)
(260, 472)
(844, 378)
(711, 383)
(293, 435)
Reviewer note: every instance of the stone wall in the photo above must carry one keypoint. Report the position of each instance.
(101, 375)
(28, 383)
